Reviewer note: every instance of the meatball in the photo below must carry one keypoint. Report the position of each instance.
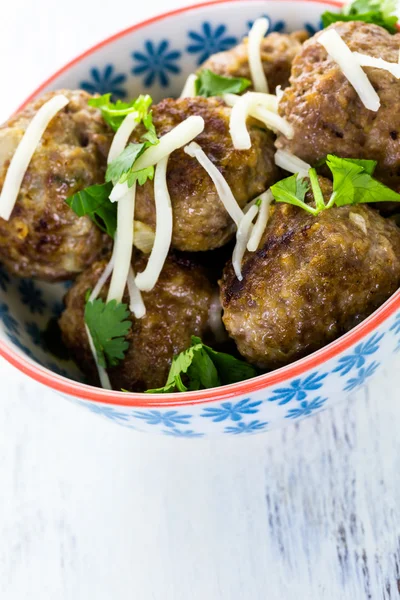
(44, 238)
(327, 113)
(311, 280)
(201, 221)
(177, 308)
(277, 52)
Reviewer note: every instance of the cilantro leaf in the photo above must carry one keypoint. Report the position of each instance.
(122, 168)
(94, 202)
(353, 182)
(293, 190)
(115, 112)
(118, 169)
(210, 84)
(201, 367)
(379, 12)
(108, 325)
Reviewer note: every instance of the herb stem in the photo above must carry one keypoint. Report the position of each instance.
(317, 192)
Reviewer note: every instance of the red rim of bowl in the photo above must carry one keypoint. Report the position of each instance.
(82, 391)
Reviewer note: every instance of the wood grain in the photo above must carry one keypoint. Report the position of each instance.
(91, 510)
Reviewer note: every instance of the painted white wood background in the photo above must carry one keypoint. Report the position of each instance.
(93, 511)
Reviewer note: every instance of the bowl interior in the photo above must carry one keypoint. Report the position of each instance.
(155, 58)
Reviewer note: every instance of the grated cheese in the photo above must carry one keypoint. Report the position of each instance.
(378, 63)
(242, 237)
(291, 163)
(189, 89)
(146, 280)
(24, 152)
(179, 136)
(121, 138)
(261, 223)
(224, 191)
(269, 101)
(215, 320)
(256, 36)
(351, 69)
(122, 245)
(136, 304)
(143, 237)
(250, 105)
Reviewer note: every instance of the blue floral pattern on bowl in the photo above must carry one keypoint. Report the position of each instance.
(104, 80)
(159, 57)
(158, 62)
(209, 40)
(278, 26)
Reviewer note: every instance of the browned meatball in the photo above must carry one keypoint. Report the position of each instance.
(311, 280)
(326, 112)
(177, 308)
(44, 238)
(277, 52)
(200, 219)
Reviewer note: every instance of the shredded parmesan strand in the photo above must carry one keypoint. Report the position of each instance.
(123, 245)
(250, 105)
(268, 101)
(24, 152)
(256, 36)
(369, 61)
(224, 191)
(103, 278)
(291, 163)
(162, 241)
(273, 121)
(103, 375)
(242, 237)
(261, 223)
(189, 89)
(215, 320)
(121, 138)
(343, 56)
(136, 304)
(179, 136)
(279, 92)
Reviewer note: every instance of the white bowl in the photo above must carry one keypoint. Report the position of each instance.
(156, 56)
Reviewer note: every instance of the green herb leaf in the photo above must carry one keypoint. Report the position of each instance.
(115, 112)
(201, 367)
(140, 176)
(293, 190)
(94, 202)
(353, 182)
(108, 325)
(379, 12)
(118, 169)
(210, 84)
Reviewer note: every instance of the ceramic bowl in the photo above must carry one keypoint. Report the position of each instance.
(155, 57)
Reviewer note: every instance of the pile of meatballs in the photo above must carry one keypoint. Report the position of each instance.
(311, 279)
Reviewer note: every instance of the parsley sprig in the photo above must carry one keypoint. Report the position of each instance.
(210, 84)
(109, 325)
(353, 183)
(115, 112)
(379, 12)
(200, 367)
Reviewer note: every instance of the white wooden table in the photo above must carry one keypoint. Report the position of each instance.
(93, 511)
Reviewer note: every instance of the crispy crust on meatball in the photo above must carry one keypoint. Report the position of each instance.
(327, 113)
(201, 222)
(176, 309)
(44, 238)
(277, 53)
(311, 280)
